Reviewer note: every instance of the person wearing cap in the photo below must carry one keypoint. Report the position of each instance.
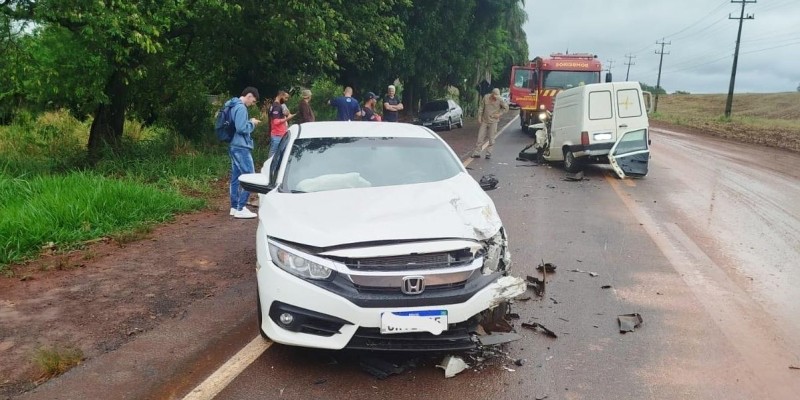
(305, 113)
(369, 108)
(491, 108)
(347, 107)
(391, 105)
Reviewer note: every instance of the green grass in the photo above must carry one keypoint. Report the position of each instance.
(56, 360)
(72, 208)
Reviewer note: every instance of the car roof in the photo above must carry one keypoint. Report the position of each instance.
(362, 129)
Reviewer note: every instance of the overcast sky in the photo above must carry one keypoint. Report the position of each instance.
(702, 39)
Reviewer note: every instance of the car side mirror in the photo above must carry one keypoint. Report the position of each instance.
(257, 183)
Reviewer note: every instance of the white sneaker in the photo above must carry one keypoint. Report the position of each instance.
(244, 213)
(233, 211)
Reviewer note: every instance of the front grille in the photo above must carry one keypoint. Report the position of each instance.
(411, 262)
(396, 289)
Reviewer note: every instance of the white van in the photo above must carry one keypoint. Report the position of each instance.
(598, 123)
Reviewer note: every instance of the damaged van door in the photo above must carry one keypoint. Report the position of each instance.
(630, 154)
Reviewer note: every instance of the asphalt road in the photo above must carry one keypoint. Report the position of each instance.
(703, 248)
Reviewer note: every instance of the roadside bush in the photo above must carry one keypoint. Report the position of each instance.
(52, 142)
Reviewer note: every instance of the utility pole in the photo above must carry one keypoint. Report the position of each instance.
(729, 103)
(629, 63)
(658, 83)
(610, 64)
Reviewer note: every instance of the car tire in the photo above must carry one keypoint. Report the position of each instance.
(460, 122)
(260, 317)
(571, 164)
(449, 124)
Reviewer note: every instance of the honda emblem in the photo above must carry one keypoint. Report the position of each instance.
(413, 284)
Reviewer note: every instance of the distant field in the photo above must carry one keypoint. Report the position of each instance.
(768, 119)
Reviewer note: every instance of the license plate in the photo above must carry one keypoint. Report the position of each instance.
(433, 321)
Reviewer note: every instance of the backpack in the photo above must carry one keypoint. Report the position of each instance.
(275, 111)
(224, 126)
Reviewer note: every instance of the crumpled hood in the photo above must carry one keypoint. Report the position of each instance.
(455, 208)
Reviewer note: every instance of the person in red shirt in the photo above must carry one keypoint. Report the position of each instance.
(278, 126)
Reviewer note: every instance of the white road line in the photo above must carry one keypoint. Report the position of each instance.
(222, 377)
(467, 161)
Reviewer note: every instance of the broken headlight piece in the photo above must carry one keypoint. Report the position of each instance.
(495, 253)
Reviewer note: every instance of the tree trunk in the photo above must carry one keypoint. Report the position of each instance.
(109, 118)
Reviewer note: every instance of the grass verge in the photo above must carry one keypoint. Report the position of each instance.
(65, 210)
(56, 360)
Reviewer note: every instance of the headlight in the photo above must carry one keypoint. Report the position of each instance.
(294, 263)
(542, 116)
(541, 106)
(440, 118)
(495, 254)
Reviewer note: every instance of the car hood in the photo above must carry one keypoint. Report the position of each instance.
(429, 115)
(454, 208)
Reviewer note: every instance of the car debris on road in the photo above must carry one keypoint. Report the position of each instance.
(629, 322)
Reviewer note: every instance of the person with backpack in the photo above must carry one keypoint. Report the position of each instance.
(241, 145)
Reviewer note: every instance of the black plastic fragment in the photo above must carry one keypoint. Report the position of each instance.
(534, 326)
(488, 182)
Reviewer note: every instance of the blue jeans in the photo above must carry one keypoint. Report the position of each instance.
(241, 163)
(273, 144)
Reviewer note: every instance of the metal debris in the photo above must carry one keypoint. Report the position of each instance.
(592, 274)
(629, 322)
(452, 366)
(547, 267)
(536, 284)
(534, 326)
(520, 362)
(488, 182)
(508, 369)
(573, 177)
(498, 338)
(381, 368)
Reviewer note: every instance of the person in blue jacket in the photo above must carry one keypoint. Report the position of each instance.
(347, 107)
(240, 150)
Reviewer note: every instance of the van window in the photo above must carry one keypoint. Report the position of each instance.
(600, 105)
(628, 104)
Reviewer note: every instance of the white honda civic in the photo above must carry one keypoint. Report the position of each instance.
(374, 236)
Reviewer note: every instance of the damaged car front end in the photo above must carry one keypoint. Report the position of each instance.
(361, 246)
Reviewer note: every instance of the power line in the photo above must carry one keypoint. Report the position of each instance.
(718, 7)
(742, 17)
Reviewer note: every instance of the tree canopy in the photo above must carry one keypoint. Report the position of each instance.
(158, 60)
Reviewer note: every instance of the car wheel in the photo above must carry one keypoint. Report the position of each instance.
(571, 164)
(260, 317)
(449, 124)
(460, 122)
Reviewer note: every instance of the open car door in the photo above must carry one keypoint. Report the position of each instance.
(630, 154)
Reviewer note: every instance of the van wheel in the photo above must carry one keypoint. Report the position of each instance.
(260, 317)
(571, 164)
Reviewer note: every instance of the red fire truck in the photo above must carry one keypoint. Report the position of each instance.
(534, 87)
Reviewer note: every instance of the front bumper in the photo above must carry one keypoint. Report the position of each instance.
(343, 323)
(433, 124)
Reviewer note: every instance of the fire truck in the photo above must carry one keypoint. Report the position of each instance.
(534, 87)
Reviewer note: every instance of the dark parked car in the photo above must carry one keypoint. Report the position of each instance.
(443, 113)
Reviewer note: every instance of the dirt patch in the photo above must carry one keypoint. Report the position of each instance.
(101, 297)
